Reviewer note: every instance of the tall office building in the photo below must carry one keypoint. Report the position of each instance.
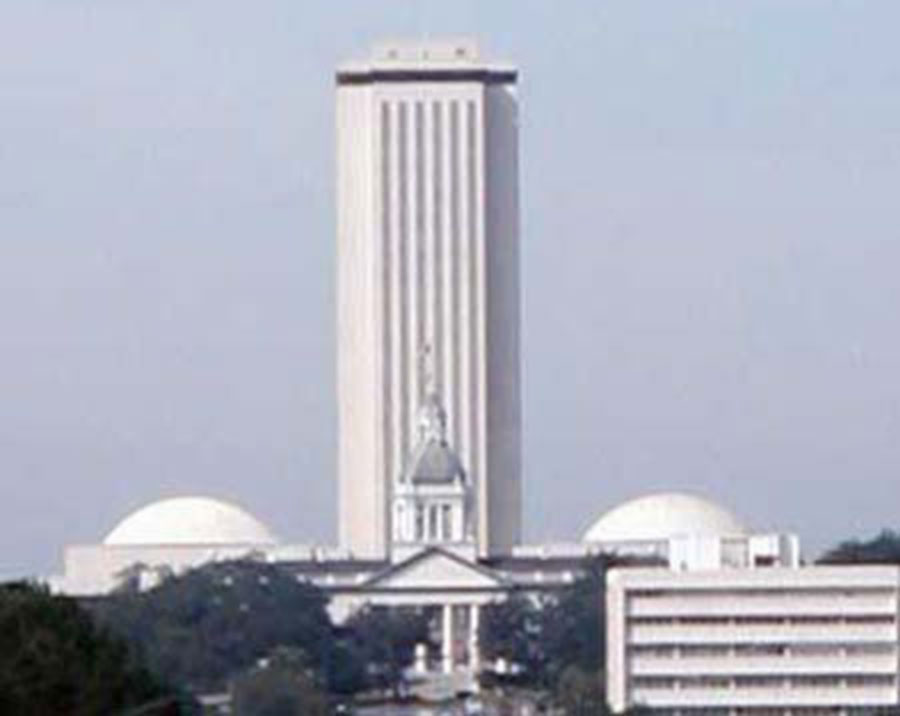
(428, 281)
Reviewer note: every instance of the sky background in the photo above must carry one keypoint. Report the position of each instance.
(710, 257)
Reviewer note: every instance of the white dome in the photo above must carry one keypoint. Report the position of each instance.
(189, 520)
(662, 516)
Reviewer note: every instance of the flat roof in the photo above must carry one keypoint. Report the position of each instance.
(845, 576)
(447, 60)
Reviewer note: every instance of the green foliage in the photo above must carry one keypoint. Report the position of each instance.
(575, 623)
(385, 641)
(202, 628)
(283, 686)
(198, 629)
(54, 661)
(345, 669)
(543, 639)
(580, 693)
(881, 549)
(513, 630)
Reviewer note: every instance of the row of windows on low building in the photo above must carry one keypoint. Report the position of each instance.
(836, 593)
(766, 682)
(760, 619)
(669, 651)
(772, 711)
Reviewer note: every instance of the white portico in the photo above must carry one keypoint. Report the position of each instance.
(433, 557)
(433, 566)
(453, 589)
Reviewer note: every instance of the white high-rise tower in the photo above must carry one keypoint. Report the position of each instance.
(428, 281)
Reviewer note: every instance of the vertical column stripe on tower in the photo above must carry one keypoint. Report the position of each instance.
(413, 306)
(437, 167)
(427, 211)
(477, 326)
(407, 285)
(465, 315)
(387, 310)
(419, 242)
(393, 330)
(445, 202)
(453, 250)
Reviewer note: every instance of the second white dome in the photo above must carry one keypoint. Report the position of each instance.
(662, 516)
(189, 521)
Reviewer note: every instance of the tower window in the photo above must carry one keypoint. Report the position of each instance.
(433, 531)
(420, 523)
(399, 527)
(446, 525)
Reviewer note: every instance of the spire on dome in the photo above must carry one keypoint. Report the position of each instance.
(432, 459)
(432, 421)
(432, 499)
(432, 416)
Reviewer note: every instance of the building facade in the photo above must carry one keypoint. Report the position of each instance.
(807, 641)
(729, 624)
(689, 532)
(428, 282)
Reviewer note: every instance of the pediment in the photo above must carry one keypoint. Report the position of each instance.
(435, 569)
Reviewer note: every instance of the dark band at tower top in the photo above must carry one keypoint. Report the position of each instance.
(456, 61)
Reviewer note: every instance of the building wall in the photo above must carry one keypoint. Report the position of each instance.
(774, 641)
(361, 519)
(427, 284)
(706, 552)
(92, 570)
(502, 492)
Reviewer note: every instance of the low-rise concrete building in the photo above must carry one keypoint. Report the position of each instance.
(804, 641)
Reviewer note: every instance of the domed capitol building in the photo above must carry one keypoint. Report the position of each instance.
(429, 473)
(429, 443)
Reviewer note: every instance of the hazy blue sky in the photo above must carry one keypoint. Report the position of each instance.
(711, 251)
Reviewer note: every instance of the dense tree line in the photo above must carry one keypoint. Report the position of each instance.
(279, 686)
(384, 641)
(54, 660)
(256, 628)
(228, 622)
(884, 548)
(555, 644)
(201, 628)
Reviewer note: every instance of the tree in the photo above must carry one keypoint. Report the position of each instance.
(345, 670)
(385, 640)
(884, 548)
(544, 638)
(282, 685)
(512, 630)
(53, 660)
(574, 624)
(198, 629)
(580, 693)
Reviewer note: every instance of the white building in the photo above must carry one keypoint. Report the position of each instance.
(804, 641)
(429, 432)
(160, 539)
(428, 281)
(689, 532)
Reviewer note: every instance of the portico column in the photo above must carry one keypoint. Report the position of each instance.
(474, 646)
(447, 639)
